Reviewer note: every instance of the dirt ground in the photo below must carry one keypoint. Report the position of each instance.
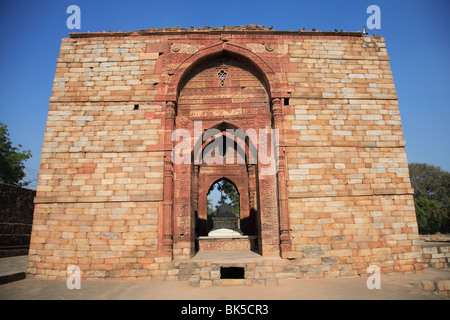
(393, 287)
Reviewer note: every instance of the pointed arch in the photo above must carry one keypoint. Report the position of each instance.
(214, 50)
(206, 100)
(246, 141)
(230, 179)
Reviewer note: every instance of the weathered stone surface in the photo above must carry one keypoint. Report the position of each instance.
(110, 200)
(16, 217)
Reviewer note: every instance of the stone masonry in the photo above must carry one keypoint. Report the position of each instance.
(16, 218)
(111, 201)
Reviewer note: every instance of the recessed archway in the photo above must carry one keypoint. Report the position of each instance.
(214, 50)
(235, 171)
(239, 96)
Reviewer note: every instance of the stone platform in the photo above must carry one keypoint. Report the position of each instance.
(436, 254)
(228, 257)
(225, 268)
(234, 243)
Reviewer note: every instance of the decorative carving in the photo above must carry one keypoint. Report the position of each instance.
(167, 241)
(281, 160)
(196, 172)
(251, 169)
(176, 47)
(269, 47)
(222, 76)
(276, 107)
(168, 166)
(170, 110)
(285, 240)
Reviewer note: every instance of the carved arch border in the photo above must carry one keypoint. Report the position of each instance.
(249, 150)
(273, 87)
(270, 78)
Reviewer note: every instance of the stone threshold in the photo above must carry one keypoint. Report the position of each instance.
(206, 268)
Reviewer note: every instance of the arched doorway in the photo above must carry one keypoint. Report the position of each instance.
(223, 91)
(222, 192)
(236, 169)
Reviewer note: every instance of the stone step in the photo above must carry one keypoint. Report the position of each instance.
(440, 286)
(242, 268)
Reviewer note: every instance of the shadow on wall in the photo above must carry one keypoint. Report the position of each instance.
(16, 219)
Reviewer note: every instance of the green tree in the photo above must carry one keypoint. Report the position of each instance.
(228, 193)
(11, 159)
(209, 209)
(433, 184)
(428, 215)
(430, 181)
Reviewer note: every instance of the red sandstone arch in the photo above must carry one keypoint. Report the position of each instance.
(249, 145)
(209, 52)
(180, 207)
(215, 180)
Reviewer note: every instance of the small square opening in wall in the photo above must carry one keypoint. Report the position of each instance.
(286, 101)
(232, 272)
(136, 107)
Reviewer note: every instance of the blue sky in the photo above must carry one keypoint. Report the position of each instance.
(416, 34)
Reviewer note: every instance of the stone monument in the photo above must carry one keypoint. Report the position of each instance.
(225, 223)
(111, 199)
(225, 234)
